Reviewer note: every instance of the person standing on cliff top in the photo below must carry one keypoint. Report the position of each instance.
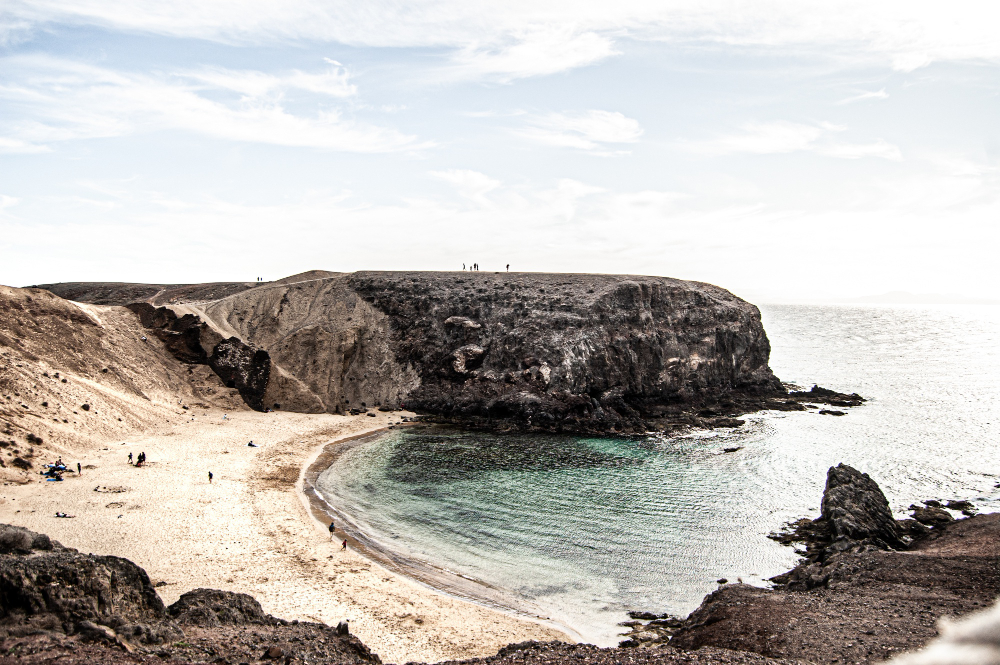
(508, 267)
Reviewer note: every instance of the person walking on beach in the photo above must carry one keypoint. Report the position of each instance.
(79, 469)
(130, 458)
(332, 529)
(343, 546)
(209, 477)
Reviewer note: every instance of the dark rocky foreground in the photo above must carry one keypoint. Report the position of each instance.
(613, 354)
(80, 608)
(869, 588)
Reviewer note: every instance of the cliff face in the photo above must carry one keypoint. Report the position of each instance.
(568, 351)
(557, 352)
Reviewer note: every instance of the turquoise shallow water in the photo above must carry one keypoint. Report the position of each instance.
(582, 529)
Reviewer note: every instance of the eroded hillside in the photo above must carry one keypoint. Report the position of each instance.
(74, 374)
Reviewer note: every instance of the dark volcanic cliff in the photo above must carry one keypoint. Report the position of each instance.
(578, 350)
(603, 353)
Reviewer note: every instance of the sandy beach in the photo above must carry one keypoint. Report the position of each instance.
(251, 530)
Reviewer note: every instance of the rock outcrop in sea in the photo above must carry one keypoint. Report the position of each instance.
(574, 353)
(856, 597)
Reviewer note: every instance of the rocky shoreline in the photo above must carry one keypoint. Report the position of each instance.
(869, 587)
(708, 413)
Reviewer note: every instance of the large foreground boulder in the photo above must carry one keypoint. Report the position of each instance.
(56, 602)
(45, 585)
(855, 599)
(212, 607)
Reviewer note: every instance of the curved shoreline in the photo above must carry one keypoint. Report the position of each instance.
(250, 531)
(435, 578)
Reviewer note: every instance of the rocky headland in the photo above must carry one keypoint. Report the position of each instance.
(613, 354)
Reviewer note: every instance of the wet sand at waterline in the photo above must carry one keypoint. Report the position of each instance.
(251, 531)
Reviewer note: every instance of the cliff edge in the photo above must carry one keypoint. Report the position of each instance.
(554, 352)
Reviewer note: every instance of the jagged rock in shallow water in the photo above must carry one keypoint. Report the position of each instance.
(856, 511)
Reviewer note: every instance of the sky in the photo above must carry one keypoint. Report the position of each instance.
(785, 150)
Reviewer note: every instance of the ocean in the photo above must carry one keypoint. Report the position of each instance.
(578, 530)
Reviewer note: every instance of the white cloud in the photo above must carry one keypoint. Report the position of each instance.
(765, 138)
(564, 201)
(785, 137)
(880, 148)
(470, 184)
(586, 130)
(535, 51)
(13, 145)
(517, 38)
(62, 101)
(878, 94)
(8, 201)
(335, 82)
